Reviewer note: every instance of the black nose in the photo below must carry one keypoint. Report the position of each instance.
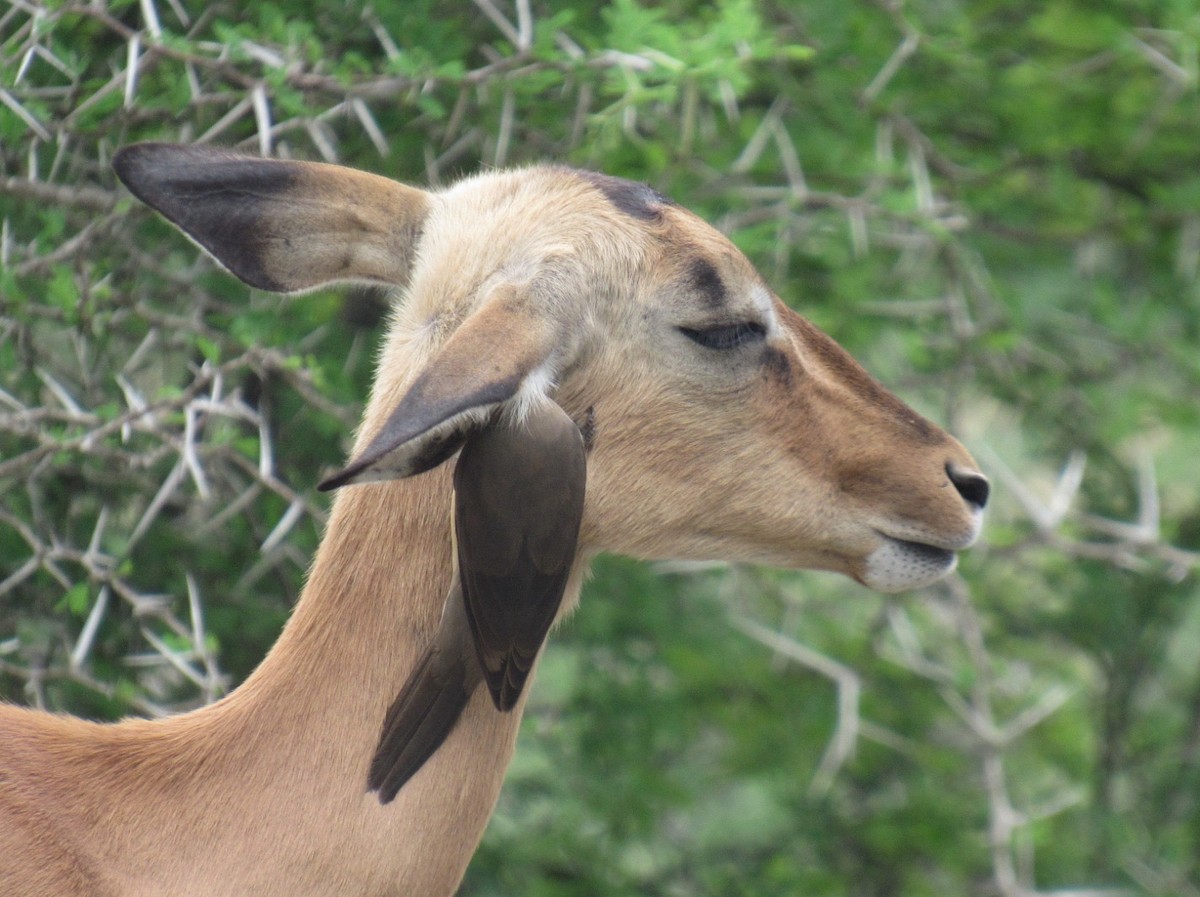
(971, 485)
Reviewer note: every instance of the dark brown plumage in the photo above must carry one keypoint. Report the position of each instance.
(518, 503)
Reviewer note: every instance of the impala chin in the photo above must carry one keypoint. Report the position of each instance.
(909, 560)
(898, 565)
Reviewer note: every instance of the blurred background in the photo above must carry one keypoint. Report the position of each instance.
(994, 205)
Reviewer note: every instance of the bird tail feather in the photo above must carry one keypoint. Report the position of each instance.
(419, 720)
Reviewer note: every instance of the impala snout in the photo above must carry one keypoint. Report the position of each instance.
(906, 494)
(919, 545)
(971, 484)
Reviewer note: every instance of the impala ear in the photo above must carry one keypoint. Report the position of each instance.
(278, 225)
(503, 353)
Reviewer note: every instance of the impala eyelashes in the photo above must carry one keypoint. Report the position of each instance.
(726, 336)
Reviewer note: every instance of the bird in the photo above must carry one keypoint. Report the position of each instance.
(519, 487)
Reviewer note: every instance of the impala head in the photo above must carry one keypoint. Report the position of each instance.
(721, 423)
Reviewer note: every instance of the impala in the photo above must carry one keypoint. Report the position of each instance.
(617, 377)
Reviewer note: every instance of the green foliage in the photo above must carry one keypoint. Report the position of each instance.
(995, 205)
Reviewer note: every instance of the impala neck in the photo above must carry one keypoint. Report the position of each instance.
(310, 716)
(374, 595)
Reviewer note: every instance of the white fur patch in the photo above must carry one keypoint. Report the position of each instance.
(761, 299)
(534, 390)
(898, 566)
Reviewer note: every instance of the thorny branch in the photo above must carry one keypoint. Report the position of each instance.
(139, 439)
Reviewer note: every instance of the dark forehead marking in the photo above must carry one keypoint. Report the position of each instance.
(635, 199)
(706, 280)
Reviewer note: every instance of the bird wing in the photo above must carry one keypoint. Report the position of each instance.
(519, 490)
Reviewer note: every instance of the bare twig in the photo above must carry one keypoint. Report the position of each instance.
(845, 736)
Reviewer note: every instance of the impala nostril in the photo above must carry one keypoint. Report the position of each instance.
(971, 485)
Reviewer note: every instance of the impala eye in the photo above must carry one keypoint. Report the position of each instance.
(727, 336)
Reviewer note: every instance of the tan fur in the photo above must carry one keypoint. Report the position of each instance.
(784, 452)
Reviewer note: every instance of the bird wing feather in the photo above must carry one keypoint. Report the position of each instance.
(518, 506)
